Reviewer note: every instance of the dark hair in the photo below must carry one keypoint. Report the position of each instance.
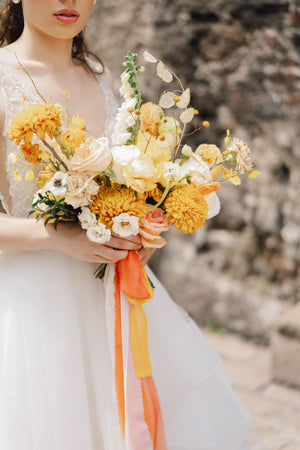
(12, 25)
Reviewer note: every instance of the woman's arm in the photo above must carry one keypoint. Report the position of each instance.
(22, 234)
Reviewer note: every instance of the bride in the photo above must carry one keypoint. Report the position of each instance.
(55, 368)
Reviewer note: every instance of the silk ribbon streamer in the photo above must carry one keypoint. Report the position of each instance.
(138, 404)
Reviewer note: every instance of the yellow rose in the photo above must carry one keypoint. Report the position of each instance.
(141, 174)
(149, 145)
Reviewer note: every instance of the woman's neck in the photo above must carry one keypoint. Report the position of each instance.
(55, 54)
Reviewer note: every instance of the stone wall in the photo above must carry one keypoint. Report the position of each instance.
(241, 61)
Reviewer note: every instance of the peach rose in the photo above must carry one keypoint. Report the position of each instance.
(154, 223)
(92, 156)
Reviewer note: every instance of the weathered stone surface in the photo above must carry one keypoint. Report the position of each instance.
(285, 345)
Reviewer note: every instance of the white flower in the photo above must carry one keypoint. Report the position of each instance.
(198, 168)
(118, 174)
(187, 151)
(126, 90)
(120, 138)
(123, 154)
(86, 218)
(243, 155)
(75, 182)
(93, 155)
(213, 204)
(125, 225)
(174, 170)
(99, 233)
(57, 184)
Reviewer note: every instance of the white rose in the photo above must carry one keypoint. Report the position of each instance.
(86, 218)
(99, 233)
(93, 155)
(126, 225)
(123, 154)
(198, 168)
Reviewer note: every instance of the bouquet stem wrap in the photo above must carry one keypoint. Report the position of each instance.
(127, 289)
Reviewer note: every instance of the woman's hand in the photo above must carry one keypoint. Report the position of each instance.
(71, 239)
(145, 254)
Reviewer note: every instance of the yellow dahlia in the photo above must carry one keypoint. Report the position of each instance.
(72, 137)
(156, 194)
(211, 154)
(110, 202)
(149, 117)
(187, 208)
(41, 119)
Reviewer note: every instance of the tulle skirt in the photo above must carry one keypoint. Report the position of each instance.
(56, 381)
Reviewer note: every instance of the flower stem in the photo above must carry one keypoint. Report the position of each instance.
(55, 154)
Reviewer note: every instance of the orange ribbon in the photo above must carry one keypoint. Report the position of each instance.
(131, 279)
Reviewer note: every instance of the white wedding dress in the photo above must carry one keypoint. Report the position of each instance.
(56, 379)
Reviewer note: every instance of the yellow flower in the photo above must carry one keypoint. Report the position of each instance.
(13, 157)
(72, 137)
(16, 174)
(149, 145)
(150, 118)
(45, 176)
(78, 121)
(187, 208)
(110, 202)
(29, 175)
(32, 153)
(141, 174)
(156, 194)
(211, 154)
(67, 95)
(42, 119)
(253, 173)
(231, 175)
(228, 137)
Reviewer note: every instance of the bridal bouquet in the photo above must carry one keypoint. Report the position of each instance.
(141, 182)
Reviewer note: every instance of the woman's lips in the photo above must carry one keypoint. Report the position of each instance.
(67, 15)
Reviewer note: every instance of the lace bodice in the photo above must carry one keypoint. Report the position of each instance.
(16, 196)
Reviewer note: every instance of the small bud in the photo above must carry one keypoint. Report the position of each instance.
(196, 112)
(130, 110)
(137, 112)
(206, 124)
(176, 99)
(165, 120)
(157, 122)
(162, 137)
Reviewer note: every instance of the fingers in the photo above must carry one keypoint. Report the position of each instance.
(130, 243)
(111, 255)
(145, 254)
